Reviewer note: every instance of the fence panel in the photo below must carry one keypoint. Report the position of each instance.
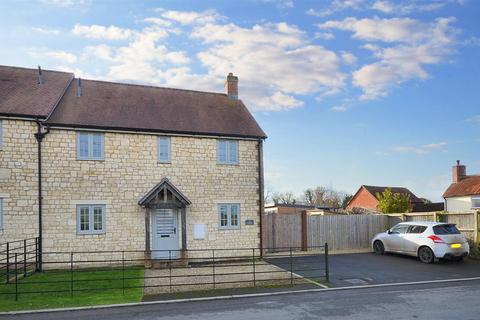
(465, 223)
(345, 232)
(282, 231)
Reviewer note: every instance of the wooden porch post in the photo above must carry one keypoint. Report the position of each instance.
(148, 253)
(184, 228)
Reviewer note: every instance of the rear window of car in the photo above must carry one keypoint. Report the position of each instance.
(446, 229)
(417, 229)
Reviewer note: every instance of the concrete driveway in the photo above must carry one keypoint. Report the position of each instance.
(368, 268)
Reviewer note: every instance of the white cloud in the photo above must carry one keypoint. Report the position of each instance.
(386, 30)
(338, 109)
(418, 44)
(422, 149)
(58, 55)
(402, 8)
(348, 57)
(102, 32)
(190, 17)
(324, 35)
(474, 119)
(336, 6)
(281, 4)
(47, 31)
(272, 61)
(64, 3)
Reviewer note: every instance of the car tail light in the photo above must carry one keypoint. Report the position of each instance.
(436, 239)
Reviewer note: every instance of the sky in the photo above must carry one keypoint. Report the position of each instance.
(349, 92)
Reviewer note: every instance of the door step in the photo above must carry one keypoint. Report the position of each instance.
(166, 264)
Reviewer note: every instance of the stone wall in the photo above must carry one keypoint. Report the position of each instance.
(18, 180)
(129, 171)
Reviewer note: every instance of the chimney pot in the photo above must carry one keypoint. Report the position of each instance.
(459, 172)
(231, 86)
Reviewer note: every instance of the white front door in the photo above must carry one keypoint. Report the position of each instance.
(165, 236)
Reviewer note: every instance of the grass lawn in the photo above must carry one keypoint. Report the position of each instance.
(101, 285)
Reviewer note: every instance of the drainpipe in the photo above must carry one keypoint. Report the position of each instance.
(41, 133)
(260, 191)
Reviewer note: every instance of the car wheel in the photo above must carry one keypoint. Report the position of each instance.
(378, 247)
(425, 254)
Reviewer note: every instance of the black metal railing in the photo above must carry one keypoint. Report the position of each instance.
(69, 273)
(18, 258)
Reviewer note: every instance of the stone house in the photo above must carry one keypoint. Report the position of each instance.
(92, 165)
(463, 194)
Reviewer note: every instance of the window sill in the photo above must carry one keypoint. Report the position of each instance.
(227, 229)
(228, 164)
(100, 160)
(164, 162)
(91, 234)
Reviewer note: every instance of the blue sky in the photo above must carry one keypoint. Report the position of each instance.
(349, 92)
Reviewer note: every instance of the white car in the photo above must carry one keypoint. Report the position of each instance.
(426, 240)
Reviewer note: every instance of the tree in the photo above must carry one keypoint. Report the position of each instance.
(390, 202)
(323, 196)
(346, 200)
(284, 198)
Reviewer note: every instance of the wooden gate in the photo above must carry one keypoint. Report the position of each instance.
(282, 232)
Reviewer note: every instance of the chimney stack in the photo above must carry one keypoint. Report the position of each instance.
(40, 76)
(459, 172)
(231, 86)
(79, 87)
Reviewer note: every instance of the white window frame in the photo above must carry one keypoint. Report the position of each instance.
(169, 156)
(91, 220)
(90, 136)
(1, 213)
(228, 143)
(477, 199)
(229, 225)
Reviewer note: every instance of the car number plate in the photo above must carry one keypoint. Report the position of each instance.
(455, 245)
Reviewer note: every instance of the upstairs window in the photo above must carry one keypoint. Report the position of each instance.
(91, 219)
(227, 151)
(164, 148)
(476, 203)
(90, 146)
(229, 216)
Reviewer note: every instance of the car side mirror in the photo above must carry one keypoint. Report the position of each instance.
(389, 231)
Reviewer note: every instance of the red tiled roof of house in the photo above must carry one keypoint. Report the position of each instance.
(375, 189)
(466, 187)
(22, 96)
(118, 106)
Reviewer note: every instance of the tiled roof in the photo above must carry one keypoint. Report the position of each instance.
(466, 187)
(376, 189)
(22, 96)
(120, 106)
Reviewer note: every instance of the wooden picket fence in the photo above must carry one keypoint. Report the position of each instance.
(351, 232)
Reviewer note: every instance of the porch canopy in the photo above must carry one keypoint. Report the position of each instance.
(165, 196)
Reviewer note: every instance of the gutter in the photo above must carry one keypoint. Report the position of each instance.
(260, 192)
(150, 131)
(41, 133)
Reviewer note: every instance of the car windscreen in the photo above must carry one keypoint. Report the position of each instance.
(446, 229)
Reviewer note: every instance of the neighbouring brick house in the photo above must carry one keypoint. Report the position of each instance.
(463, 194)
(127, 167)
(366, 199)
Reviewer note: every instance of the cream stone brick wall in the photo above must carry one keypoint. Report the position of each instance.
(129, 170)
(18, 180)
